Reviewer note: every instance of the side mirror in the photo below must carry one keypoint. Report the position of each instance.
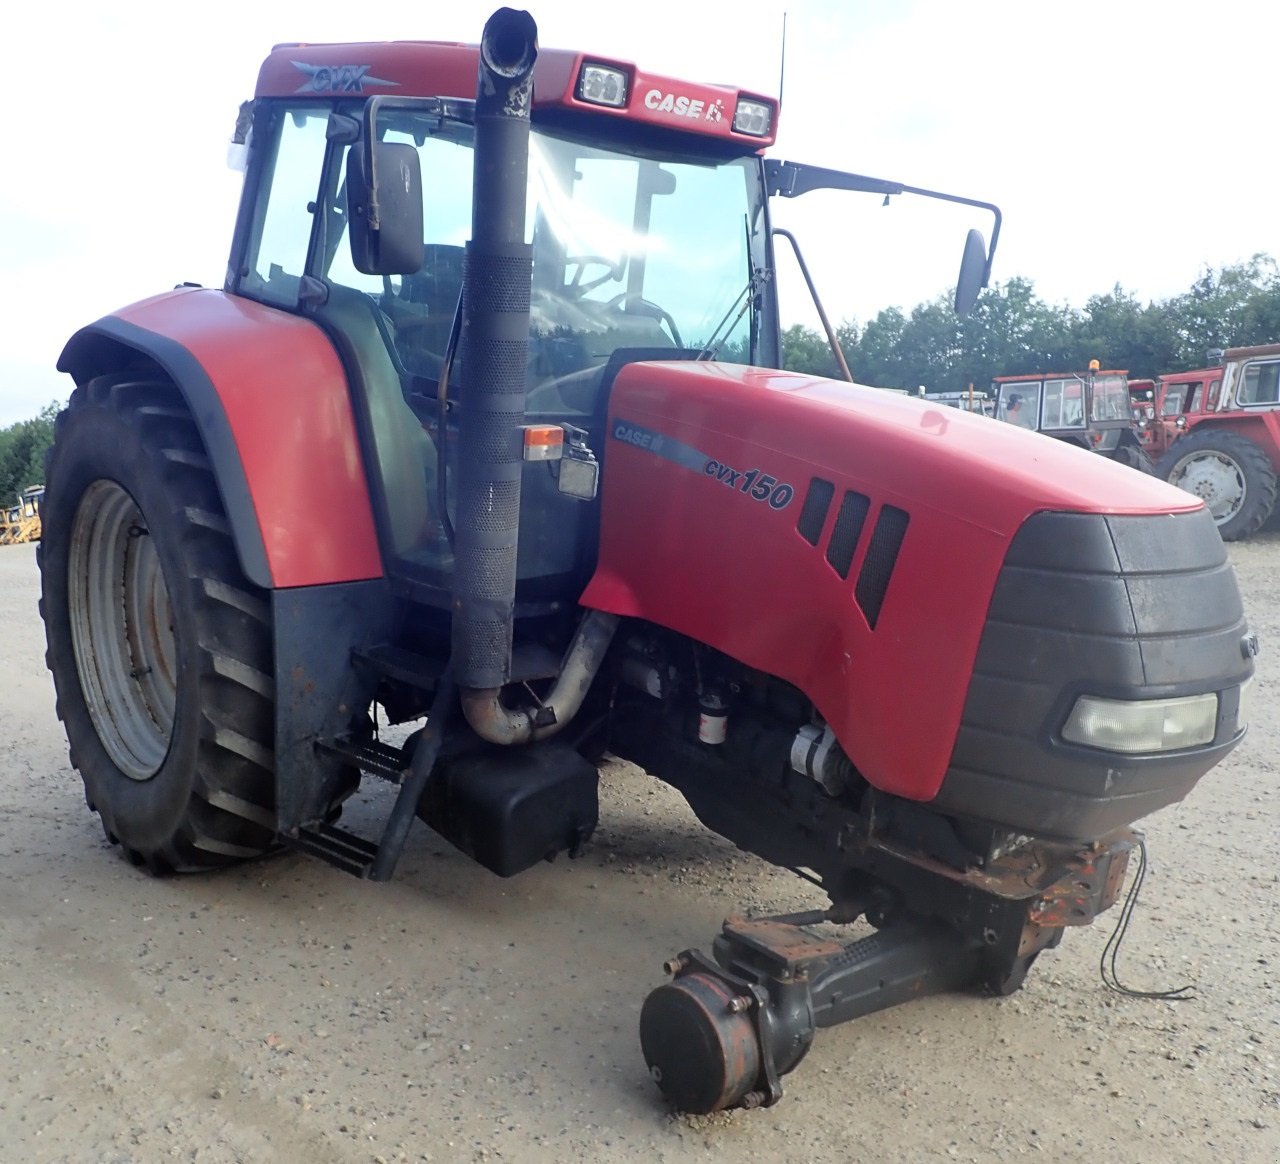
(973, 272)
(384, 208)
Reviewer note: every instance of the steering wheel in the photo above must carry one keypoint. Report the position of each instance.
(639, 305)
(578, 287)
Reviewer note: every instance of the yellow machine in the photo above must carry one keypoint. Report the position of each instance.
(22, 521)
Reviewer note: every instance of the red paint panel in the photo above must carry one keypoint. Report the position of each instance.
(683, 546)
(284, 392)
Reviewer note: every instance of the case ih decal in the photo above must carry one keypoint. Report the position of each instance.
(682, 106)
(749, 482)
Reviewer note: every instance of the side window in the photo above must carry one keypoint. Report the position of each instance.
(1020, 403)
(1260, 384)
(278, 251)
(417, 309)
(1215, 390)
(1063, 404)
(1051, 415)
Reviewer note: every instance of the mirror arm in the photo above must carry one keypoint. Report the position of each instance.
(372, 211)
(791, 179)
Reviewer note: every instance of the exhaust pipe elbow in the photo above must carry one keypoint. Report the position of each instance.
(497, 724)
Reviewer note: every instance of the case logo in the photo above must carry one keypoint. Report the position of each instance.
(749, 482)
(683, 106)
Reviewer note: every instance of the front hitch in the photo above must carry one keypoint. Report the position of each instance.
(725, 1030)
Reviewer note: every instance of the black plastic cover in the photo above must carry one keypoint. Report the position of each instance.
(509, 808)
(1124, 607)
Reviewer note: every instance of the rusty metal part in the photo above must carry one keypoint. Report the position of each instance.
(1030, 870)
(782, 947)
(1091, 886)
(725, 1031)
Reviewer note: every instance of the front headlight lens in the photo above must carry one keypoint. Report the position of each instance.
(602, 85)
(1145, 725)
(753, 117)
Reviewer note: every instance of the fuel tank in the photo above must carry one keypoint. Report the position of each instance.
(851, 541)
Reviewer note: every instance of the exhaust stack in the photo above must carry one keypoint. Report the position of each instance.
(495, 342)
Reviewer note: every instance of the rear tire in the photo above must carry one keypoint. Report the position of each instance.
(1229, 473)
(160, 649)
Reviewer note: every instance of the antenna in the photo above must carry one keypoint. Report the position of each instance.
(782, 64)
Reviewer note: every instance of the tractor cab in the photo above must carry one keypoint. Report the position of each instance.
(1090, 409)
(640, 247)
(1181, 398)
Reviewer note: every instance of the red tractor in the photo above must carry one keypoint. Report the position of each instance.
(1217, 434)
(454, 444)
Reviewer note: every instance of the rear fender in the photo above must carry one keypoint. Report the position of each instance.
(269, 395)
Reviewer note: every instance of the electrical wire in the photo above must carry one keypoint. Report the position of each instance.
(1107, 964)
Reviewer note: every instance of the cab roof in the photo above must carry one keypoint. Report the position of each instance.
(415, 68)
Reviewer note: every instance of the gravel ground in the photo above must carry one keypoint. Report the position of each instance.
(286, 1012)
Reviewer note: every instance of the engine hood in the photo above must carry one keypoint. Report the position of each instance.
(843, 538)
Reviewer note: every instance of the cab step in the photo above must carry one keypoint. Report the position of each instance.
(338, 847)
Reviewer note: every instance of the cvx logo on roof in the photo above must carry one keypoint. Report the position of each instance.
(337, 78)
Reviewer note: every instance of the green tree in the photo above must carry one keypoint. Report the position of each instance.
(22, 450)
(1233, 307)
(1011, 330)
(806, 350)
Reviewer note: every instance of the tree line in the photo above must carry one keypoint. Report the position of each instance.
(22, 449)
(1012, 331)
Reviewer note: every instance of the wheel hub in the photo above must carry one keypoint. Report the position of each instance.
(1216, 479)
(122, 629)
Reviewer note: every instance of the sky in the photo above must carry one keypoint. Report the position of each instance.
(1120, 142)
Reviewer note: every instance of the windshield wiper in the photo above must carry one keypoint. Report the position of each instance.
(744, 299)
(737, 309)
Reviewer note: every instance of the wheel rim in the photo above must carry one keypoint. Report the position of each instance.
(122, 630)
(1216, 479)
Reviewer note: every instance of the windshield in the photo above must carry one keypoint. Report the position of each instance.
(630, 251)
(1111, 397)
(665, 241)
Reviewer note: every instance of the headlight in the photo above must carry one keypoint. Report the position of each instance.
(753, 117)
(602, 85)
(1146, 725)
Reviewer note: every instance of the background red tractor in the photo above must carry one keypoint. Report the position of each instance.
(484, 436)
(1217, 434)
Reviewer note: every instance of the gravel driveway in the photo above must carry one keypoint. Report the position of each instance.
(286, 1012)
